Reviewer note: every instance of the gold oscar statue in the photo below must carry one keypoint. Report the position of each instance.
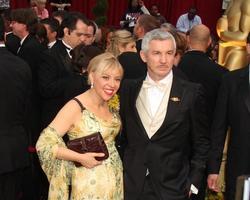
(233, 28)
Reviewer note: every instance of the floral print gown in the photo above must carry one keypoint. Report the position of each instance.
(103, 182)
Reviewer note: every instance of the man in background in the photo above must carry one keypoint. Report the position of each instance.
(188, 20)
(15, 81)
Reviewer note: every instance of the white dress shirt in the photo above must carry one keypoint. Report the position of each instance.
(184, 24)
(156, 93)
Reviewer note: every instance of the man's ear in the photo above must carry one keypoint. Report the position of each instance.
(143, 56)
(66, 31)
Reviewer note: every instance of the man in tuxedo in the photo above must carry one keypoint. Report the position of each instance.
(24, 22)
(55, 71)
(15, 81)
(199, 68)
(165, 129)
(232, 110)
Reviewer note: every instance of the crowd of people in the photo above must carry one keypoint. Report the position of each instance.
(153, 90)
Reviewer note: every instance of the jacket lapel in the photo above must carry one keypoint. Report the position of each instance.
(135, 90)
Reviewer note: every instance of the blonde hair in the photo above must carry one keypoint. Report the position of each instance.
(119, 38)
(102, 63)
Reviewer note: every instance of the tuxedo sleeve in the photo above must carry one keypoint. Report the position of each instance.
(199, 137)
(219, 128)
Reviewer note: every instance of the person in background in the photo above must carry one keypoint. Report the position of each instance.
(85, 114)
(52, 26)
(232, 110)
(144, 24)
(165, 128)
(4, 5)
(40, 9)
(91, 33)
(154, 11)
(41, 35)
(186, 21)
(135, 9)
(60, 5)
(15, 81)
(81, 56)
(121, 41)
(12, 42)
(60, 15)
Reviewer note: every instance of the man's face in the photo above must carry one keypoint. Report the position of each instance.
(191, 14)
(17, 28)
(90, 38)
(159, 58)
(154, 10)
(77, 36)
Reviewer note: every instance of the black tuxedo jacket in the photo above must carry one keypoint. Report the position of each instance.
(31, 51)
(12, 43)
(15, 81)
(176, 154)
(199, 68)
(232, 110)
(54, 76)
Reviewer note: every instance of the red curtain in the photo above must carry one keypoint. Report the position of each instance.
(208, 10)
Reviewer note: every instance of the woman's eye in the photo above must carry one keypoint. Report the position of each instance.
(105, 77)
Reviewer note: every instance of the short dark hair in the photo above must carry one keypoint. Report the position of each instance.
(60, 13)
(52, 23)
(148, 22)
(2, 30)
(25, 16)
(81, 55)
(70, 22)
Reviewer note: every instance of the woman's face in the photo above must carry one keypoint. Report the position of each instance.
(107, 83)
(130, 47)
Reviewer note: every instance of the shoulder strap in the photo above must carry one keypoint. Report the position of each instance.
(79, 103)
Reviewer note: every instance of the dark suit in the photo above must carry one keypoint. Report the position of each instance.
(176, 154)
(133, 65)
(31, 51)
(12, 43)
(15, 81)
(199, 68)
(232, 109)
(54, 76)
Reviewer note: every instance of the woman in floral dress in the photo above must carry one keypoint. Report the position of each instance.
(90, 112)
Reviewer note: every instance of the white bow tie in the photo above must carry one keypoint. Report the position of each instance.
(148, 84)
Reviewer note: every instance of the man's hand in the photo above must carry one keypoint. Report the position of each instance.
(212, 182)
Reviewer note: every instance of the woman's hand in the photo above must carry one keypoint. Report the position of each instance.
(88, 159)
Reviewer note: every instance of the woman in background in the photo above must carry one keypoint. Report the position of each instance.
(121, 41)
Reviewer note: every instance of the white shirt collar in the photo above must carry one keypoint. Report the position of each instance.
(51, 44)
(168, 78)
(21, 42)
(68, 46)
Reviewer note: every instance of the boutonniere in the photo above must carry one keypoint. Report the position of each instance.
(175, 99)
(114, 103)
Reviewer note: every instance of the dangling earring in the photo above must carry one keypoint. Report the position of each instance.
(91, 85)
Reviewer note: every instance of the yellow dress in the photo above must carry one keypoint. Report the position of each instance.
(103, 182)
